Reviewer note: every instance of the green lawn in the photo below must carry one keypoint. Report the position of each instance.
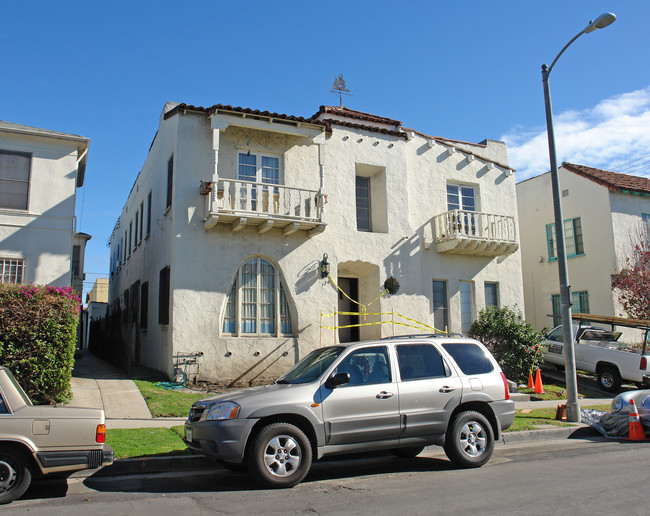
(167, 402)
(531, 419)
(140, 442)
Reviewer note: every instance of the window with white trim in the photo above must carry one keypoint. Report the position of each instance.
(461, 197)
(257, 168)
(12, 269)
(257, 302)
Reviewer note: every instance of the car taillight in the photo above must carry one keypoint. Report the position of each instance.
(644, 363)
(505, 385)
(100, 435)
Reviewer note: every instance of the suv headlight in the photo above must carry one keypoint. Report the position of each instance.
(225, 410)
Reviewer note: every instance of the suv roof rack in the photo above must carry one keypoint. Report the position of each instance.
(426, 336)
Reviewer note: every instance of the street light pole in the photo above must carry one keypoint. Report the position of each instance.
(572, 406)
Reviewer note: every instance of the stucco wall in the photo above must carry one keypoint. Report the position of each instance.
(204, 262)
(42, 234)
(592, 271)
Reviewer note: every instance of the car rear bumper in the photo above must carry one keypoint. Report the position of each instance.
(222, 440)
(646, 379)
(504, 411)
(72, 460)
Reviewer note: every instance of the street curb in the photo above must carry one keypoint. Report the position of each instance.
(561, 432)
(151, 465)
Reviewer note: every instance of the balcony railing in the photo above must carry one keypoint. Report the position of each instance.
(472, 232)
(267, 206)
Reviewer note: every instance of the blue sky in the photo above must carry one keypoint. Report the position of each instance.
(464, 70)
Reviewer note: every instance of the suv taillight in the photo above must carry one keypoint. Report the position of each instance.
(505, 385)
(644, 363)
(100, 435)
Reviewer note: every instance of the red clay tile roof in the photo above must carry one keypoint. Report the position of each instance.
(615, 181)
(180, 108)
(357, 115)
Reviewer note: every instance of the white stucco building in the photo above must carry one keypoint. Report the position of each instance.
(604, 213)
(40, 171)
(219, 246)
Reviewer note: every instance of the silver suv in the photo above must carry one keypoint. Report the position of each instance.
(399, 394)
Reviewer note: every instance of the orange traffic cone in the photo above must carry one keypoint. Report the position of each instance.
(531, 384)
(539, 388)
(636, 428)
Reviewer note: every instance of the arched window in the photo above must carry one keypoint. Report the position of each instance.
(257, 303)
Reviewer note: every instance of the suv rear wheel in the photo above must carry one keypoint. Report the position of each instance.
(469, 442)
(15, 475)
(280, 455)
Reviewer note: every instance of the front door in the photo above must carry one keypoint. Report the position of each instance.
(348, 332)
(367, 408)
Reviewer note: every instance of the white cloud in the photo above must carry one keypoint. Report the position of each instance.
(615, 131)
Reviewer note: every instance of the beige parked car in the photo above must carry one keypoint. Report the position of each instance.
(37, 440)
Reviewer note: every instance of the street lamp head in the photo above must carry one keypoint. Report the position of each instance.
(601, 22)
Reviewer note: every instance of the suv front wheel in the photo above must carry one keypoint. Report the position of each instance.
(280, 455)
(469, 442)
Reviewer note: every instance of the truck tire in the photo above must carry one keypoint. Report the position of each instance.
(469, 442)
(15, 475)
(280, 455)
(609, 379)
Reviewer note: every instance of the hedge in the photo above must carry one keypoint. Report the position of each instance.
(38, 336)
(512, 340)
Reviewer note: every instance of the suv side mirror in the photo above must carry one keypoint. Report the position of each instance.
(338, 379)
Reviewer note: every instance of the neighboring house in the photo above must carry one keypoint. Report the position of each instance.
(604, 214)
(220, 243)
(97, 306)
(40, 171)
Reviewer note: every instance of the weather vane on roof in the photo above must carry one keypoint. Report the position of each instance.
(338, 88)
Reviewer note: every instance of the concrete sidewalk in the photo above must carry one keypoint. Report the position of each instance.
(98, 384)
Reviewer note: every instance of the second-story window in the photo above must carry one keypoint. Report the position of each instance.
(14, 179)
(460, 197)
(170, 181)
(572, 239)
(257, 168)
(362, 188)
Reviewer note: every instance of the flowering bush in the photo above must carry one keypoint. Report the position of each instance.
(38, 335)
(512, 341)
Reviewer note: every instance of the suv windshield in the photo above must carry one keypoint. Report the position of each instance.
(312, 366)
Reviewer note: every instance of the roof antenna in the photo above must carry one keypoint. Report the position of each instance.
(338, 88)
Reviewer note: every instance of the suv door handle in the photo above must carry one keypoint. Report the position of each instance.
(384, 395)
(447, 389)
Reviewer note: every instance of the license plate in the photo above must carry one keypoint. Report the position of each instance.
(188, 435)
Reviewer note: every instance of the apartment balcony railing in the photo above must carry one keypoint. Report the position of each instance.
(472, 232)
(266, 206)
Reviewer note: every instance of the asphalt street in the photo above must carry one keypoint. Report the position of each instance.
(588, 476)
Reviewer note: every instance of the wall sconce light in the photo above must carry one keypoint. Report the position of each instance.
(324, 267)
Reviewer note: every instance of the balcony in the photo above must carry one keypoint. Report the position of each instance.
(239, 204)
(475, 233)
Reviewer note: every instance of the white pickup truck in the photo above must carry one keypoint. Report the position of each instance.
(598, 351)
